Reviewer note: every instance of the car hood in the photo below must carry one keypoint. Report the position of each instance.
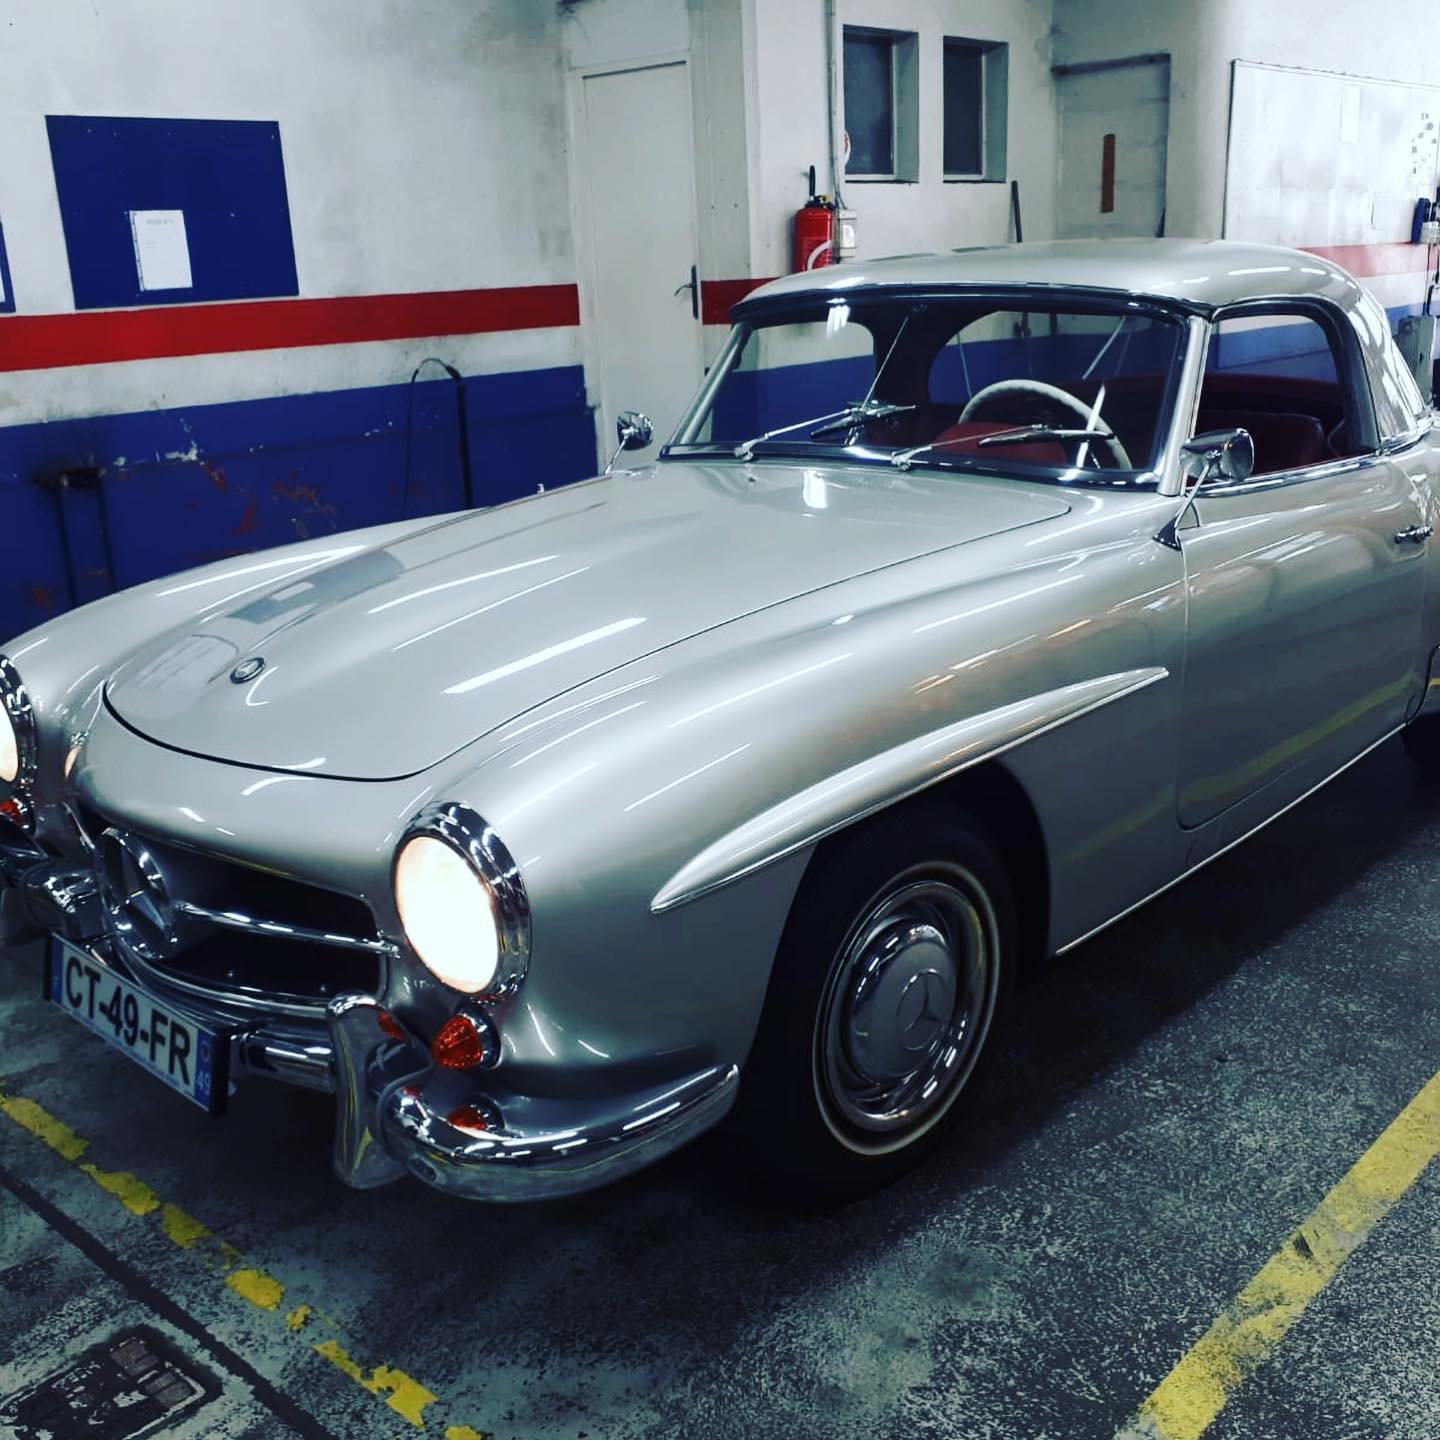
(387, 662)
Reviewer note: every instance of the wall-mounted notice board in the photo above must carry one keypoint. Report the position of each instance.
(7, 290)
(197, 200)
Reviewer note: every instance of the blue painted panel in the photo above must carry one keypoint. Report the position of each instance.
(7, 289)
(176, 488)
(228, 176)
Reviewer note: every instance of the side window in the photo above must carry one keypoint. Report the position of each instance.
(1277, 375)
(1399, 406)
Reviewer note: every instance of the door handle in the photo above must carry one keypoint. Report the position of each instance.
(1414, 534)
(693, 286)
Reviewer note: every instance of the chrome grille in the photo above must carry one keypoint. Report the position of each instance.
(232, 933)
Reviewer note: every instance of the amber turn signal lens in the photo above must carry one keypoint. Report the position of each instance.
(389, 1025)
(469, 1118)
(462, 1043)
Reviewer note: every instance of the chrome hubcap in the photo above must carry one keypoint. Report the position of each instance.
(906, 1009)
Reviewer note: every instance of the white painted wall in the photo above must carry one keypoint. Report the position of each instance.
(1391, 41)
(425, 149)
(790, 102)
(428, 148)
(424, 143)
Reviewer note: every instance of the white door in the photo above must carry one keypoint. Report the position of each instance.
(635, 158)
(1114, 137)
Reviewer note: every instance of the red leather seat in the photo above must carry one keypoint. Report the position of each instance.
(1283, 441)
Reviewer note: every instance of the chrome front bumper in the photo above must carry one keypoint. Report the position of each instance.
(394, 1106)
(394, 1109)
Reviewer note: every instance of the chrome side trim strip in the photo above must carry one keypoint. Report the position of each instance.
(1277, 479)
(274, 930)
(895, 774)
(1225, 849)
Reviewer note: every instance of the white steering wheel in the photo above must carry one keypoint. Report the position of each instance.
(1028, 402)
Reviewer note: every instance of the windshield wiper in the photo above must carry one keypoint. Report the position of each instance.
(1025, 433)
(852, 415)
(1021, 435)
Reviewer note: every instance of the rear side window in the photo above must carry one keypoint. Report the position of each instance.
(1399, 406)
(1278, 376)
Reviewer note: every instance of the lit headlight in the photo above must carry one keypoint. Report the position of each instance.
(461, 902)
(9, 750)
(17, 730)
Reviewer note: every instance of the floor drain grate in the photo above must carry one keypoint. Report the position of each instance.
(123, 1388)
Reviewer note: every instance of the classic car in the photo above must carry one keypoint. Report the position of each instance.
(978, 598)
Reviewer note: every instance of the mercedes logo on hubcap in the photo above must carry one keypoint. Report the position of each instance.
(137, 901)
(247, 669)
(919, 1016)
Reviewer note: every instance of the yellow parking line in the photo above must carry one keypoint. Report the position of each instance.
(1188, 1399)
(402, 1393)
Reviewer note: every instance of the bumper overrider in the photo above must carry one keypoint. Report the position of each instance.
(397, 1111)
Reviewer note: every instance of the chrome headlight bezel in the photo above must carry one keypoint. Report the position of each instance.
(466, 833)
(20, 712)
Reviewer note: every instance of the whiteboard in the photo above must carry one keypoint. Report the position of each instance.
(1317, 158)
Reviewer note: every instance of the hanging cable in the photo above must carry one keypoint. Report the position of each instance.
(462, 433)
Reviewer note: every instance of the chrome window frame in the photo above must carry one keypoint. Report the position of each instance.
(1354, 377)
(1157, 479)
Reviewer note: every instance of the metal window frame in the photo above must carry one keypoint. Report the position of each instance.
(982, 48)
(891, 38)
(1351, 372)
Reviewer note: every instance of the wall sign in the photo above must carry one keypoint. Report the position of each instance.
(162, 251)
(164, 212)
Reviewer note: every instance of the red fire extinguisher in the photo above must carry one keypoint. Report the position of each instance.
(814, 231)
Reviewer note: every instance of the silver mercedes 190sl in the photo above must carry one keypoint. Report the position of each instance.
(978, 598)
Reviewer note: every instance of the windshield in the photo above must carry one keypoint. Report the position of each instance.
(1070, 390)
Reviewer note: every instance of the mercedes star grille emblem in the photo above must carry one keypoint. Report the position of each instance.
(138, 909)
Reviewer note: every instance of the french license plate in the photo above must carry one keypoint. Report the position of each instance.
(186, 1056)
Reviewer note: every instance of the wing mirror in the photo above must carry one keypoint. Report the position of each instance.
(633, 431)
(1227, 455)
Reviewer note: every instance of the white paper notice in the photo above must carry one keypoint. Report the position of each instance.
(162, 253)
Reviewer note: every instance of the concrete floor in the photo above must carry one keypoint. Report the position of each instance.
(1176, 1096)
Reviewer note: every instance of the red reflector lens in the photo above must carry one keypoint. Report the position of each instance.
(10, 809)
(461, 1044)
(468, 1118)
(389, 1025)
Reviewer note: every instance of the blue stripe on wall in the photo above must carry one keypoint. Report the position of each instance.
(159, 491)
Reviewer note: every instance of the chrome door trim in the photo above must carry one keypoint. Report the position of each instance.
(1281, 478)
(861, 790)
(1229, 844)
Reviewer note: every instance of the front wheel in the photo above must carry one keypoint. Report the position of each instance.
(892, 976)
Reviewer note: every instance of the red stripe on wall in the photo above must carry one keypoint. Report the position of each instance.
(717, 296)
(43, 342)
(1363, 260)
(96, 337)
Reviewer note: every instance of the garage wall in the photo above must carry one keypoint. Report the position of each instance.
(425, 160)
(895, 218)
(429, 162)
(1346, 37)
